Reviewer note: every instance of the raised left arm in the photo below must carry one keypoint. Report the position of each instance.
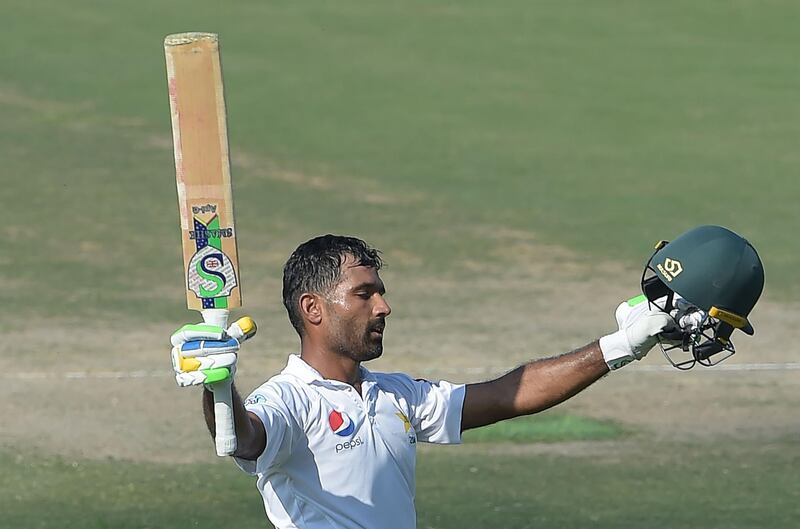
(544, 383)
(533, 387)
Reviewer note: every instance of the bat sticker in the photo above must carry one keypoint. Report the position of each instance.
(210, 273)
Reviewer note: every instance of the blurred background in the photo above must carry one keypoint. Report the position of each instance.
(515, 163)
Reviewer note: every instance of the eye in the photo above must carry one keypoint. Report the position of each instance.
(363, 295)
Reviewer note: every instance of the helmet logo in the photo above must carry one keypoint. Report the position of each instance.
(671, 268)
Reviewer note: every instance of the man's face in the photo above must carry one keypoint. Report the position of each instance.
(356, 313)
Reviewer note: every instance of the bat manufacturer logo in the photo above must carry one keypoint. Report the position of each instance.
(206, 208)
(211, 273)
(670, 269)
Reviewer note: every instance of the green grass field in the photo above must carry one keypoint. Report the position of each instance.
(515, 162)
(544, 428)
(684, 486)
(602, 128)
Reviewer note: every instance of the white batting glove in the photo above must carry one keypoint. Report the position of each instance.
(206, 354)
(639, 325)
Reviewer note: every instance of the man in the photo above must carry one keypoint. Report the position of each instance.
(333, 445)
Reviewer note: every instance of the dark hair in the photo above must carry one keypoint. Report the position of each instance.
(316, 266)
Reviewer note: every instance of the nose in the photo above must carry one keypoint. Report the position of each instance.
(382, 308)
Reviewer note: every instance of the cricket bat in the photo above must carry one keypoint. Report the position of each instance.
(205, 198)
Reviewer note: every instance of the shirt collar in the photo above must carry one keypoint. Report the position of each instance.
(298, 367)
(366, 375)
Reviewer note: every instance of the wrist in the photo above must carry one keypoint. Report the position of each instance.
(616, 350)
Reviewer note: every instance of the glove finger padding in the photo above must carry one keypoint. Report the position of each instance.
(206, 354)
(194, 363)
(209, 347)
(642, 333)
(205, 376)
(639, 325)
(196, 332)
(204, 361)
(196, 370)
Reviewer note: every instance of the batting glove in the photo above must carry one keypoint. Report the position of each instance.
(639, 324)
(206, 354)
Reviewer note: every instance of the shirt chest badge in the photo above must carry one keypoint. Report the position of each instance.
(412, 437)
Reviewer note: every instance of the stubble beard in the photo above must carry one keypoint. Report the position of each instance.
(359, 347)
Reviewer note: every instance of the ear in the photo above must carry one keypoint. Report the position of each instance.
(311, 308)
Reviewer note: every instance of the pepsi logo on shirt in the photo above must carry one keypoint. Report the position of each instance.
(341, 424)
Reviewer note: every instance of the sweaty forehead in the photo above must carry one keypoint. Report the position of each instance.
(353, 274)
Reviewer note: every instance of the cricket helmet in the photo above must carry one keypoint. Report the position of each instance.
(712, 269)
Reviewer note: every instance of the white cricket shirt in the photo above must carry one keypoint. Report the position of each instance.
(337, 460)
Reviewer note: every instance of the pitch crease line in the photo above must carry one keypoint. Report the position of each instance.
(88, 375)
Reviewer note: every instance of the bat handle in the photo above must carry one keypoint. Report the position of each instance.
(225, 439)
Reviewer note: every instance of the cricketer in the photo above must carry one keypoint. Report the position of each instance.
(332, 444)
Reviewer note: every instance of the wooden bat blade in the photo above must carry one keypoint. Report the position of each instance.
(205, 197)
(202, 168)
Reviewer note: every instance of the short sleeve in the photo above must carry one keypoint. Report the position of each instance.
(436, 411)
(278, 427)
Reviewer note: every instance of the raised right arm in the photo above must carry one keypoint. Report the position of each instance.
(251, 437)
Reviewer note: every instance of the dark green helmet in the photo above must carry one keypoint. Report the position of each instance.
(715, 270)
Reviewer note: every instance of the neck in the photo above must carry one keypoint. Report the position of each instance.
(330, 365)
